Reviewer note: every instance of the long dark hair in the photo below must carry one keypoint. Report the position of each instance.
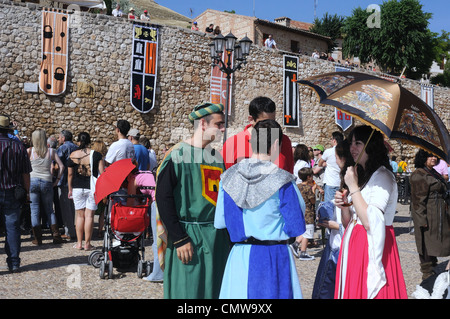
(376, 151)
(85, 139)
(301, 152)
(342, 150)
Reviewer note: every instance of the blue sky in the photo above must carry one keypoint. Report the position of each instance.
(301, 10)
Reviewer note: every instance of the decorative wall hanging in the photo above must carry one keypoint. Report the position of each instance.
(55, 39)
(427, 94)
(344, 121)
(219, 84)
(291, 104)
(144, 66)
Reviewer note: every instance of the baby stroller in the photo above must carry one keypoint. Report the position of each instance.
(125, 226)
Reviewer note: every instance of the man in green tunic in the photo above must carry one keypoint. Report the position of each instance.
(186, 194)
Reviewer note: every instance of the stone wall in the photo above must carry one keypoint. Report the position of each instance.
(100, 59)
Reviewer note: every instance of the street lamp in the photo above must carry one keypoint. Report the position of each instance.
(241, 50)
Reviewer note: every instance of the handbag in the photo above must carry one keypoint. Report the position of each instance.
(93, 179)
(129, 219)
(325, 211)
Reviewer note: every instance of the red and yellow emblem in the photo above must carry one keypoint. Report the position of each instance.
(210, 182)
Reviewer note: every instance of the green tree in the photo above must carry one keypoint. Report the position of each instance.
(441, 47)
(403, 38)
(330, 26)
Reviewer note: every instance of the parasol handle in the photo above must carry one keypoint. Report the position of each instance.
(368, 140)
(400, 78)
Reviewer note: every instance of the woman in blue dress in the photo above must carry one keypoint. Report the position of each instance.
(264, 210)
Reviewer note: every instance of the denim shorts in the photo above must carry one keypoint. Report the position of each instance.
(83, 198)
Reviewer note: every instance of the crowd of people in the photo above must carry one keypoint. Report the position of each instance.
(117, 12)
(230, 223)
(210, 30)
(57, 177)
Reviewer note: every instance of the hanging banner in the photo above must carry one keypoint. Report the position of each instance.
(343, 120)
(55, 39)
(144, 66)
(219, 84)
(427, 94)
(291, 102)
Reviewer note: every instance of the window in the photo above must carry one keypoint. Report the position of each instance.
(294, 46)
(265, 36)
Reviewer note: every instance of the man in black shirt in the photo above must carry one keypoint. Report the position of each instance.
(210, 29)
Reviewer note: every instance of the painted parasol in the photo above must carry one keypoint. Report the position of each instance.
(385, 106)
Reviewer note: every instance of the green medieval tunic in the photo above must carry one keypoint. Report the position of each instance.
(186, 194)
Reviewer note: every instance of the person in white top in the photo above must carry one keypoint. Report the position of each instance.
(41, 185)
(331, 178)
(369, 264)
(117, 12)
(270, 43)
(145, 16)
(301, 160)
(122, 148)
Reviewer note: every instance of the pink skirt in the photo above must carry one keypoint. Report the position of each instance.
(358, 259)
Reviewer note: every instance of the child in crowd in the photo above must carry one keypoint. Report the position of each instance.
(307, 188)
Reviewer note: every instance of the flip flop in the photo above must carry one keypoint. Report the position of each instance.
(75, 247)
(89, 248)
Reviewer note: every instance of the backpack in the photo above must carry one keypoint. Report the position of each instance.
(83, 169)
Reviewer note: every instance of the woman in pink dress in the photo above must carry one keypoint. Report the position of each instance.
(369, 264)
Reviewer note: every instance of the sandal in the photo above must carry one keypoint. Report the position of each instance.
(88, 248)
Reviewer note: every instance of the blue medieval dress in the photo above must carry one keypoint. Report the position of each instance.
(262, 208)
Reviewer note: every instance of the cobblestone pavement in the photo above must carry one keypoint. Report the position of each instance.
(62, 272)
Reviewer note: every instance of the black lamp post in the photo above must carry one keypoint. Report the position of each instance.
(241, 50)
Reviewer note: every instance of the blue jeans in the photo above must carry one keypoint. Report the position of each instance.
(41, 195)
(329, 192)
(67, 211)
(10, 215)
(157, 273)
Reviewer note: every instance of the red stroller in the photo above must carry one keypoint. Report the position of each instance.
(125, 226)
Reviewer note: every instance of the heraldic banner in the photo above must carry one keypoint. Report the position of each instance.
(427, 94)
(144, 66)
(219, 84)
(343, 120)
(291, 105)
(55, 49)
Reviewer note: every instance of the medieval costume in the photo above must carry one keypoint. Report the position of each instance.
(262, 209)
(186, 194)
(369, 263)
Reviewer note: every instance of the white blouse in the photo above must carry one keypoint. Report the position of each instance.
(380, 194)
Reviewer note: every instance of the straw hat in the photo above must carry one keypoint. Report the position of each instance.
(5, 122)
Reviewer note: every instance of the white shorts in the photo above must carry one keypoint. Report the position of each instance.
(83, 198)
(309, 233)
